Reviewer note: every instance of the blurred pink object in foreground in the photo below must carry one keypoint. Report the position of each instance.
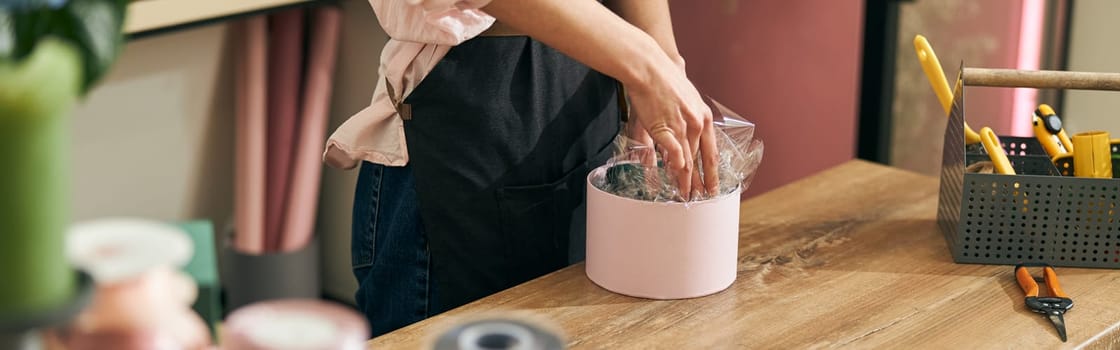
(142, 301)
(294, 324)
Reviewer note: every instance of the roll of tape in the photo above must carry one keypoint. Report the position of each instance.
(294, 324)
(1092, 156)
(500, 333)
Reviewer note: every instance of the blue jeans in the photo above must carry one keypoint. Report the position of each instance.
(389, 249)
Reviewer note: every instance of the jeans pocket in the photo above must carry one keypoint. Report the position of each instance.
(363, 227)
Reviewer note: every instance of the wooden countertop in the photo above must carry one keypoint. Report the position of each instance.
(849, 257)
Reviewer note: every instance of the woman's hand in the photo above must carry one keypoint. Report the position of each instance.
(667, 110)
(662, 99)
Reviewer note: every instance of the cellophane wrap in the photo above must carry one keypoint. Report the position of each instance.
(637, 170)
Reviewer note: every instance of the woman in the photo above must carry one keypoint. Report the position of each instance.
(487, 118)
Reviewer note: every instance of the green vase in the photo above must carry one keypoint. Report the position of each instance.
(37, 95)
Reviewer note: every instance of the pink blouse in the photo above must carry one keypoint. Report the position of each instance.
(421, 32)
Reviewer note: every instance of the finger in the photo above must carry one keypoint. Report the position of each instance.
(667, 139)
(693, 147)
(676, 157)
(698, 191)
(640, 135)
(709, 156)
(686, 152)
(695, 125)
(685, 175)
(690, 141)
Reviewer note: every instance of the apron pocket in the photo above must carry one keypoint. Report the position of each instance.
(536, 220)
(531, 227)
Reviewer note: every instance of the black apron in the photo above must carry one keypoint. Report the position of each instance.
(501, 137)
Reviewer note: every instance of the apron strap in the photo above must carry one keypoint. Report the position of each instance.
(404, 110)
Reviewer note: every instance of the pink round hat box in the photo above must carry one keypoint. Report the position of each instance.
(661, 250)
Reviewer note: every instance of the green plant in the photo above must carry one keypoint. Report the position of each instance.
(92, 27)
(52, 52)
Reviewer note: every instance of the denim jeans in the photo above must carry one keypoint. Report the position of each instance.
(389, 249)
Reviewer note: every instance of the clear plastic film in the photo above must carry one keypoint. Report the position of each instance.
(637, 170)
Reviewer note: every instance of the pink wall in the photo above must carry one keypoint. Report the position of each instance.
(792, 67)
(985, 35)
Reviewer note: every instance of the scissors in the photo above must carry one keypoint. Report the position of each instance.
(1053, 306)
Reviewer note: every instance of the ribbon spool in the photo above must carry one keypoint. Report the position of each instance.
(499, 334)
(294, 324)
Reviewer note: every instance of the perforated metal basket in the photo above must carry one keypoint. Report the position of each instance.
(1035, 216)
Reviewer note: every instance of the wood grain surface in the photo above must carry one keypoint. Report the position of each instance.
(850, 257)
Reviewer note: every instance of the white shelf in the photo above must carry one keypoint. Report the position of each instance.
(150, 15)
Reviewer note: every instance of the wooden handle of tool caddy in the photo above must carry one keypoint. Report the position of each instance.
(1043, 79)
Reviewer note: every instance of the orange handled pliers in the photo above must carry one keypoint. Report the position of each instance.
(1053, 306)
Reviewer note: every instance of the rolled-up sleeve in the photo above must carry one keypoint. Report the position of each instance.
(442, 22)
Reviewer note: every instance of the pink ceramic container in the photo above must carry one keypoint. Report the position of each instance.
(661, 250)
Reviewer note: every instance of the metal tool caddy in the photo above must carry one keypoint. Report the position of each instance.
(1038, 215)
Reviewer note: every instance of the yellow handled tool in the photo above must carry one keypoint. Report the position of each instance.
(995, 151)
(940, 85)
(1049, 132)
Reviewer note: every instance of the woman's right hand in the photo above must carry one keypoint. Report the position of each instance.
(679, 122)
